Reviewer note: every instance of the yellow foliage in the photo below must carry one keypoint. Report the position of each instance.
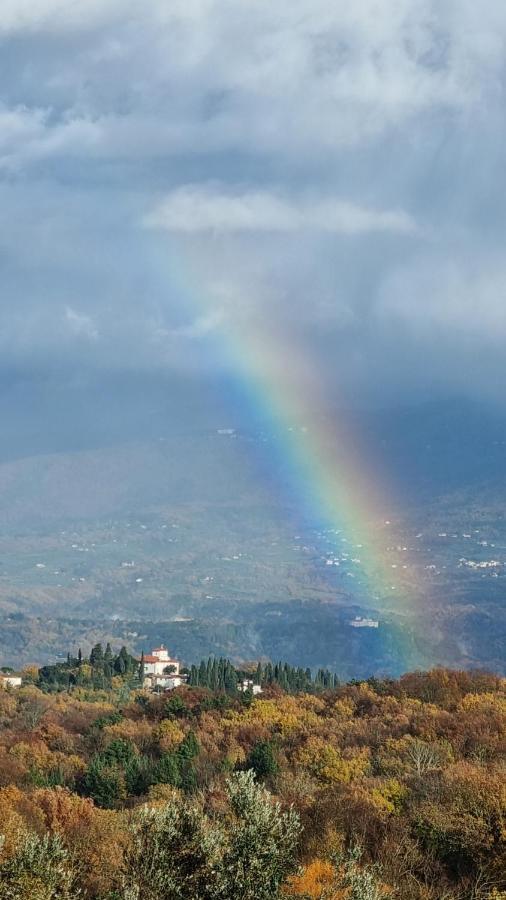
(30, 672)
(139, 733)
(328, 763)
(343, 708)
(286, 715)
(38, 757)
(168, 735)
(161, 794)
(235, 755)
(389, 796)
(484, 703)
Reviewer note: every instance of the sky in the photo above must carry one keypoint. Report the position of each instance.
(174, 176)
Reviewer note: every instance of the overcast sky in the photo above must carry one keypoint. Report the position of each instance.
(173, 173)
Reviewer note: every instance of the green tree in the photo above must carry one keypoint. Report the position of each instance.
(262, 842)
(104, 783)
(262, 760)
(41, 869)
(97, 656)
(246, 853)
(168, 770)
(175, 707)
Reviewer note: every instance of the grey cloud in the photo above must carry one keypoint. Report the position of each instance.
(213, 76)
(322, 169)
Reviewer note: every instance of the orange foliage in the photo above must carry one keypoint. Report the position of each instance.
(315, 882)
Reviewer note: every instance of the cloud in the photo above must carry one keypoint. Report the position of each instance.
(80, 325)
(317, 168)
(18, 16)
(195, 208)
(122, 79)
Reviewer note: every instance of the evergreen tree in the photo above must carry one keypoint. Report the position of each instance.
(122, 664)
(168, 770)
(230, 678)
(262, 760)
(97, 656)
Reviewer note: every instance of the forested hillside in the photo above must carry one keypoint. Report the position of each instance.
(378, 789)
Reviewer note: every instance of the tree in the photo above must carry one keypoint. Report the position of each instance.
(244, 853)
(362, 882)
(40, 870)
(97, 656)
(172, 855)
(104, 783)
(262, 842)
(424, 757)
(175, 707)
(262, 760)
(344, 878)
(32, 706)
(167, 770)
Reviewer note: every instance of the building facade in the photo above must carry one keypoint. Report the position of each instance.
(161, 671)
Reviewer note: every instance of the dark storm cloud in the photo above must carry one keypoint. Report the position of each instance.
(163, 166)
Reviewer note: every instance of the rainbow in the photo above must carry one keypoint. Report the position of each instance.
(324, 460)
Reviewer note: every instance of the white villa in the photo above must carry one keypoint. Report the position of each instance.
(11, 680)
(161, 671)
(249, 685)
(361, 622)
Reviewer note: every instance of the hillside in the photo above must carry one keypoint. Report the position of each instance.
(393, 786)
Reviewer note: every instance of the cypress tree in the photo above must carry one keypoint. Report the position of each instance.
(97, 656)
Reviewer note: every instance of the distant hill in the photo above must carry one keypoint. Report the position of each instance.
(180, 527)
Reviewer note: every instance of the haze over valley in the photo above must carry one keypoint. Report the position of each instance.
(192, 531)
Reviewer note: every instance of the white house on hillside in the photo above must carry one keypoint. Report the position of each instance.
(249, 685)
(161, 671)
(10, 680)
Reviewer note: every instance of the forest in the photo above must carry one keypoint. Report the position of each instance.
(313, 790)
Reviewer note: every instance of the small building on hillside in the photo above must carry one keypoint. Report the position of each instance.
(160, 662)
(13, 681)
(364, 622)
(161, 671)
(249, 685)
